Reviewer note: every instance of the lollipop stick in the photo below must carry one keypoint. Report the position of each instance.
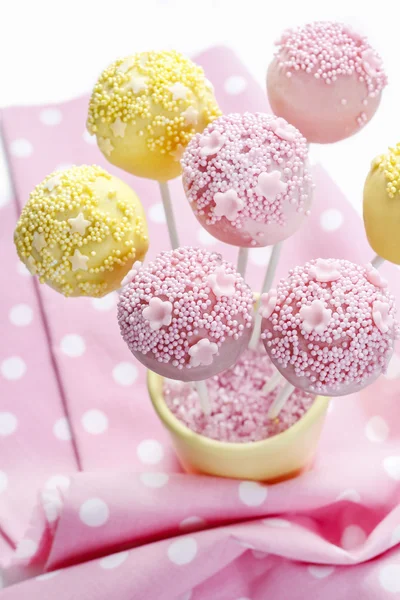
(169, 215)
(268, 279)
(201, 388)
(377, 261)
(243, 255)
(280, 400)
(272, 383)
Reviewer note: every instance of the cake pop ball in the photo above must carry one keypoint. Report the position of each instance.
(187, 315)
(325, 79)
(81, 230)
(329, 327)
(145, 108)
(247, 179)
(382, 205)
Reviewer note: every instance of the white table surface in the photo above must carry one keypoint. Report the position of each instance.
(52, 50)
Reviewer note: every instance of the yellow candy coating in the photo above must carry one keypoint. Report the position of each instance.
(81, 230)
(381, 206)
(145, 108)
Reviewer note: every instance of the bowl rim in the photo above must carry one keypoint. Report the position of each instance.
(154, 386)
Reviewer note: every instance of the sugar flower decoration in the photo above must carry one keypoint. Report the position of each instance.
(268, 303)
(270, 185)
(221, 283)
(227, 204)
(201, 354)
(283, 130)
(375, 277)
(381, 317)
(315, 317)
(131, 274)
(211, 144)
(158, 313)
(325, 271)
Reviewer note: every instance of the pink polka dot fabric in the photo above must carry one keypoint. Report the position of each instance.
(93, 503)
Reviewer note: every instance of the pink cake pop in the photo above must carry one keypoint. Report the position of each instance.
(329, 328)
(187, 315)
(247, 179)
(325, 79)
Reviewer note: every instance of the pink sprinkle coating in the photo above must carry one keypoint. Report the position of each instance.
(331, 337)
(187, 314)
(239, 405)
(330, 50)
(253, 186)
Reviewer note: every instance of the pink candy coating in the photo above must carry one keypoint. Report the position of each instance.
(330, 335)
(247, 179)
(326, 80)
(239, 406)
(187, 315)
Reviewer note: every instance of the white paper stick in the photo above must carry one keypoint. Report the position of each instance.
(201, 387)
(272, 383)
(243, 256)
(377, 261)
(169, 214)
(280, 400)
(268, 279)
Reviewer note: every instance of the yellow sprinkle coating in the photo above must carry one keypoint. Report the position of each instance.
(162, 97)
(81, 231)
(389, 164)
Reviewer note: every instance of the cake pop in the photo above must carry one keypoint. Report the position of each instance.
(329, 327)
(81, 231)
(187, 315)
(382, 205)
(325, 79)
(145, 108)
(247, 179)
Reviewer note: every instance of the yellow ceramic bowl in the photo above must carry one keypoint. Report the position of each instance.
(279, 457)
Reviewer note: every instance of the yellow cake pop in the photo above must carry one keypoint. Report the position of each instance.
(145, 108)
(81, 230)
(382, 205)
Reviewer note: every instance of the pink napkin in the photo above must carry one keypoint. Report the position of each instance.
(91, 493)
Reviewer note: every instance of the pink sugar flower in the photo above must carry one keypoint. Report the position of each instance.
(375, 277)
(325, 270)
(268, 303)
(270, 185)
(201, 354)
(316, 317)
(227, 204)
(211, 144)
(158, 313)
(221, 283)
(381, 317)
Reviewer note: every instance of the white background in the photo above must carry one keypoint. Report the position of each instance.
(53, 50)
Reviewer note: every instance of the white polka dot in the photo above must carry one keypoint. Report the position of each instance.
(331, 219)
(389, 578)
(252, 493)
(391, 464)
(58, 482)
(353, 537)
(150, 452)
(94, 512)
(114, 560)
(8, 423)
(182, 551)
(26, 549)
(22, 269)
(73, 345)
(260, 256)
(3, 482)
(62, 430)
(395, 538)
(393, 370)
(21, 148)
(21, 315)
(236, 84)
(154, 480)
(156, 213)
(106, 303)
(278, 523)
(47, 576)
(351, 495)
(89, 139)
(13, 368)
(192, 524)
(51, 116)
(125, 373)
(377, 430)
(205, 238)
(94, 422)
(52, 503)
(320, 571)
